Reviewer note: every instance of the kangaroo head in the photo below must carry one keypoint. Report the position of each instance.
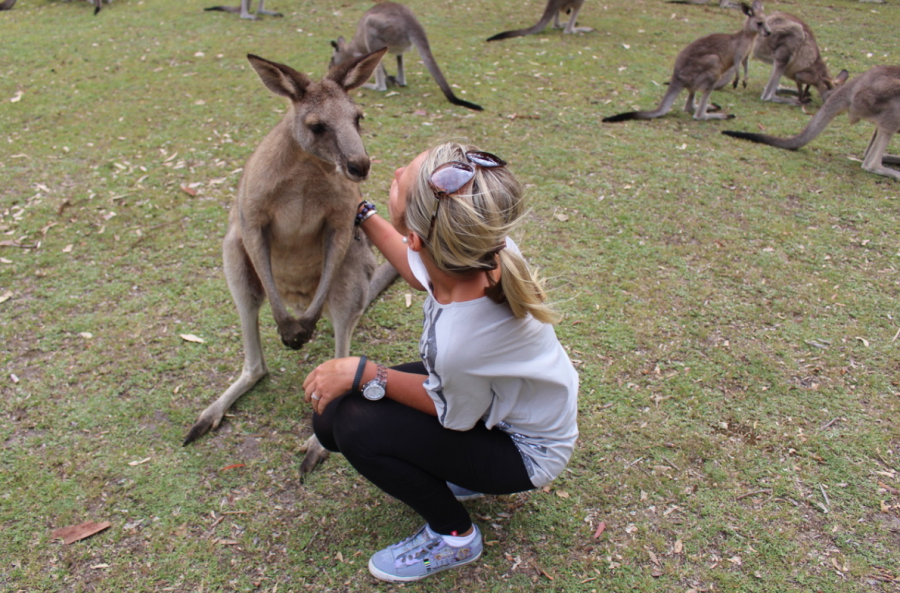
(324, 119)
(342, 52)
(756, 19)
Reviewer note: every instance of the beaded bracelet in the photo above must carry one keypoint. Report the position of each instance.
(364, 211)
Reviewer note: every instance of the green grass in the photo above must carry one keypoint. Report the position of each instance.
(732, 308)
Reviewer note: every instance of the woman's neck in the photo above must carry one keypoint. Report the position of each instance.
(455, 288)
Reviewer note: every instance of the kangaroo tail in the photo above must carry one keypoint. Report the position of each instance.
(421, 43)
(836, 104)
(536, 28)
(664, 107)
(225, 8)
(381, 279)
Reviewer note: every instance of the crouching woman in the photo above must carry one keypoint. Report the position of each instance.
(491, 405)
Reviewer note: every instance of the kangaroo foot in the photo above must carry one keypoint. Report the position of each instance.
(315, 454)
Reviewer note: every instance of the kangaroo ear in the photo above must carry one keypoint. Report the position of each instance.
(757, 7)
(745, 8)
(841, 78)
(279, 78)
(354, 73)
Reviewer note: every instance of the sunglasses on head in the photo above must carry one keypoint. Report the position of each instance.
(452, 176)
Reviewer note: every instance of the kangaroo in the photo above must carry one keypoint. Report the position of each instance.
(7, 4)
(551, 11)
(244, 10)
(394, 26)
(722, 3)
(705, 65)
(873, 96)
(290, 230)
(792, 51)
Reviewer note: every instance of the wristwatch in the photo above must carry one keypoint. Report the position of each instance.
(374, 389)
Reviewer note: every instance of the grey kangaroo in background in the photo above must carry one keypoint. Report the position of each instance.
(290, 233)
(551, 12)
(244, 10)
(722, 3)
(707, 64)
(8, 4)
(792, 51)
(873, 96)
(395, 27)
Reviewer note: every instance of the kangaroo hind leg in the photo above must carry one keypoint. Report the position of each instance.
(248, 296)
(570, 26)
(702, 107)
(875, 157)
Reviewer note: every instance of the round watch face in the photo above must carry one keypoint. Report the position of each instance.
(373, 391)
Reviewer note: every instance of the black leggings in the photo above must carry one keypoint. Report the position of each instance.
(409, 455)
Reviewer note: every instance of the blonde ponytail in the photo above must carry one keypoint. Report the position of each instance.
(470, 230)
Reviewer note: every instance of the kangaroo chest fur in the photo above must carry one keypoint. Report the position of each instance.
(303, 208)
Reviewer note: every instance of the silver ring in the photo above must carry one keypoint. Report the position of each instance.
(315, 397)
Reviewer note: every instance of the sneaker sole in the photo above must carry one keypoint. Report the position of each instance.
(392, 578)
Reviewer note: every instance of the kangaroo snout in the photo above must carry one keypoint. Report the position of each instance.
(358, 169)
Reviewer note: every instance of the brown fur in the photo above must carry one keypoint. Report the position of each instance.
(873, 96)
(244, 10)
(707, 64)
(290, 233)
(395, 27)
(792, 51)
(551, 12)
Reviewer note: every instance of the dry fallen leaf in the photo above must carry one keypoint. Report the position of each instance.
(864, 341)
(561, 217)
(142, 461)
(562, 494)
(679, 547)
(192, 338)
(73, 533)
(408, 297)
(86, 335)
(188, 190)
(600, 529)
(6, 296)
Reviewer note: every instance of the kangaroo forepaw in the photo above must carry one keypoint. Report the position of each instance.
(296, 333)
(315, 454)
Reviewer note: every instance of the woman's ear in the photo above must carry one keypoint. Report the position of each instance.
(414, 241)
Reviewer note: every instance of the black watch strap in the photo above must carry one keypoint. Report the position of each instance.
(359, 373)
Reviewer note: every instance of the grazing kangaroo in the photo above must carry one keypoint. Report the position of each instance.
(290, 231)
(244, 9)
(705, 65)
(792, 51)
(552, 10)
(394, 26)
(873, 96)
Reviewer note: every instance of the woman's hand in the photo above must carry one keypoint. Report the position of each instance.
(329, 380)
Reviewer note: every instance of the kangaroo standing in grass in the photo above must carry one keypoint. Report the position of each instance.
(395, 27)
(792, 51)
(291, 230)
(244, 10)
(705, 65)
(873, 96)
(551, 12)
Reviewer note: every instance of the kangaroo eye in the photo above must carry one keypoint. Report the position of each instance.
(317, 128)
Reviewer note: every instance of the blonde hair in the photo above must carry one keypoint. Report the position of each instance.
(471, 227)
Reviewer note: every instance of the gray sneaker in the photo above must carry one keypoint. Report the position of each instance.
(463, 493)
(422, 555)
